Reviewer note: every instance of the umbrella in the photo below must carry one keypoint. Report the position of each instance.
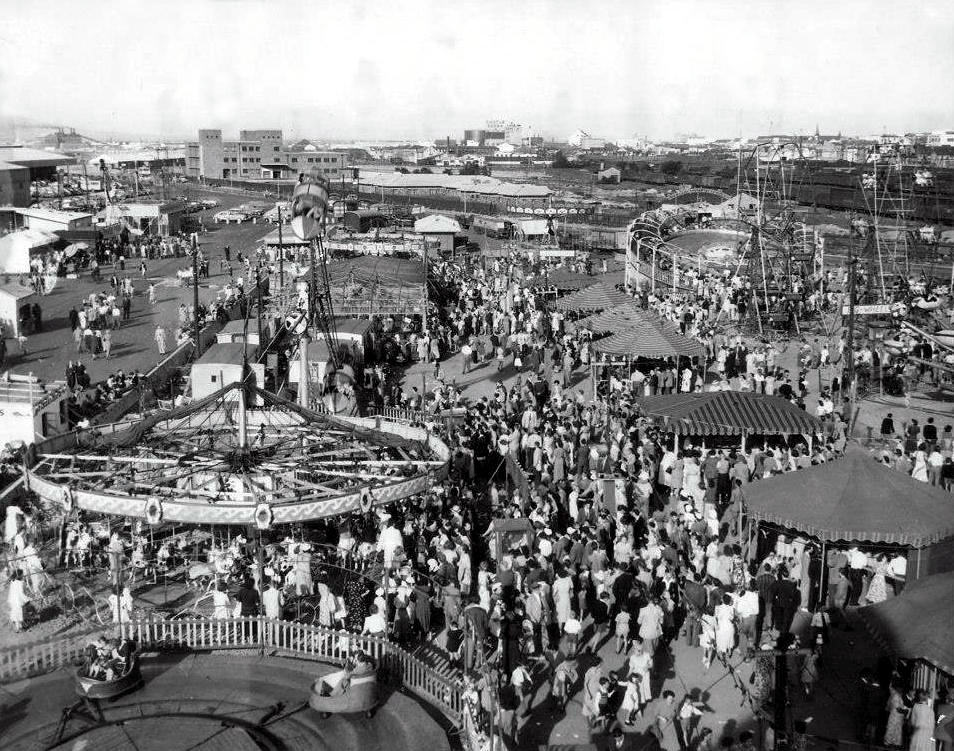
(74, 248)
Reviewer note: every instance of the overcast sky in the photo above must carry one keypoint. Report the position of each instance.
(392, 69)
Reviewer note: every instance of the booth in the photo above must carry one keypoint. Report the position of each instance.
(856, 499)
(511, 533)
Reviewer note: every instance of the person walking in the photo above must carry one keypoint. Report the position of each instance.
(160, 337)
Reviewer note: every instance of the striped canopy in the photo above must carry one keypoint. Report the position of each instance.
(638, 334)
(855, 499)
(729, 413)
(599, 296)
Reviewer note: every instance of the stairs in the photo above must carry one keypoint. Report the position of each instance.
(437, 658)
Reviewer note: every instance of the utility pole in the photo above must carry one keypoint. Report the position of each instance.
(281, 252)
(195, 295)
(258, 303)
(849, 387)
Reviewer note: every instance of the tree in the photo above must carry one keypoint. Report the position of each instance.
(560, 161)
(671, 167)
(470, 168)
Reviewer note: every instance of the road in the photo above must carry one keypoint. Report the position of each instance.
(134, 348)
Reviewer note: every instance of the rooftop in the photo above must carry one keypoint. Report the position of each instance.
(26, 390)
(224, 354)
(52, 215)
(28, 157)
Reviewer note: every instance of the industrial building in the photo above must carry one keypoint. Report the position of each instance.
(20, 166)
(257, 155)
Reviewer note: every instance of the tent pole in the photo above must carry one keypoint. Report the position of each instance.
(824, 570)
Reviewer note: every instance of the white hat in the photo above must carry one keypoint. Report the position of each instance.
(379, 592)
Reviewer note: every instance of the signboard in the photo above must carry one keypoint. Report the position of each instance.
(557, 253)
(867, 310)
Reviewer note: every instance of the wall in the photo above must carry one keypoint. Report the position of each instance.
(211, 153)
(14, 185)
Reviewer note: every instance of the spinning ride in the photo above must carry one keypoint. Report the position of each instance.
(218, 462)
(755, 236)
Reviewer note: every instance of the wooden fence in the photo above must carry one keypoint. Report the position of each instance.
(284, 637)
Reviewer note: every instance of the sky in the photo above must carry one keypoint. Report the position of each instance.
(425, 69)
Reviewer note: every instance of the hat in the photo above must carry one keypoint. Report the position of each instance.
(432, 565)
(379, 592)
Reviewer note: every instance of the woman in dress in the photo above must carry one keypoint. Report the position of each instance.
(878, 587)
(920, 465)
(16, 599)
(725, 626)
(922, 723)
(894, 729)
(641, 664)
(632, 699)
(562, 597)
(220, 602)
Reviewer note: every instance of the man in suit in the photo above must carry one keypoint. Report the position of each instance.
(476, 621)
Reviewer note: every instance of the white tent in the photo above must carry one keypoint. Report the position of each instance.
(15, 249)
(437, 224)
(534, 227)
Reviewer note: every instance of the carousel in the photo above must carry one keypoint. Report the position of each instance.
(241, 456)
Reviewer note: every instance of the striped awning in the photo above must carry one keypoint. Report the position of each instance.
(638, 333)
(599, 296)
(854, 498)
(729, 413)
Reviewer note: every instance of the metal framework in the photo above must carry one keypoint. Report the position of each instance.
(217, 462)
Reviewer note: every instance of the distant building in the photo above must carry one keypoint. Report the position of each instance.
(484, 137)
(14, 185)
(257, 155)
(19, 166)
(609, 175)
(941, 138)
(583, 140)
(440, 230)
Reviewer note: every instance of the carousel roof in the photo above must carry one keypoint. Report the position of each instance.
(598, 296)
(192, 465)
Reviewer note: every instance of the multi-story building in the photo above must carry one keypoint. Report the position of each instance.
(257, 154)
(941, 138)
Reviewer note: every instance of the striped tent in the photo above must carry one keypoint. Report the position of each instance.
(639, 334)
(729, 413)
(599, 296)
(855, 499)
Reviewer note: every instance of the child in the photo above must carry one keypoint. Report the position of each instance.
(623, 641)
(707, 639)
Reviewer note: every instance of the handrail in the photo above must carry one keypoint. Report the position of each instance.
(302, 640)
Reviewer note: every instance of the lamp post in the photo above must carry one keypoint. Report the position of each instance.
(195, 295)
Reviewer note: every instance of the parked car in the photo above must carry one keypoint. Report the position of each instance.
(230, 215)
(209, 203)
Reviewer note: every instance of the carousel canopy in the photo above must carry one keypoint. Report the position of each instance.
(855, 498)
(640, 334)
(728, 413)
(598, 296)
(918, 624)
(215, 461)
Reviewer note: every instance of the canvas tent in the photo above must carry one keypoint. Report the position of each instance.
(918, 624)
(598, 296)
(15, 249)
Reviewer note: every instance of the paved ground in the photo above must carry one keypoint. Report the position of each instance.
(133, 345)
(186, 698)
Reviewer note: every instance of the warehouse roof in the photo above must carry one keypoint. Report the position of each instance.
(27, 157)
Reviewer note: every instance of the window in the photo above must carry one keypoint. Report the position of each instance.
(275, 147)
(214, 379)
(310, 160)
(295, 159)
